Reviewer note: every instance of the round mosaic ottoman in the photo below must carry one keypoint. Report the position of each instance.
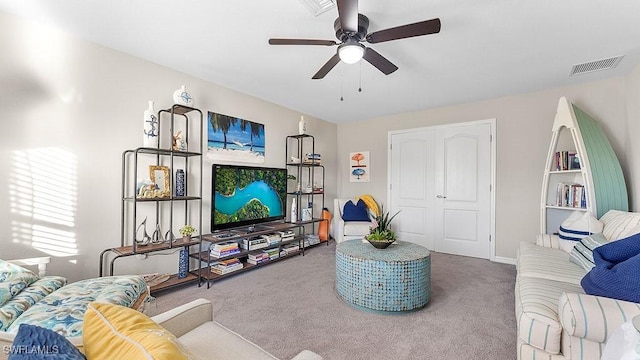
(397, 278)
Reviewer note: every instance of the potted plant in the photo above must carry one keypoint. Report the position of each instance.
(380, 233)
(186, 232)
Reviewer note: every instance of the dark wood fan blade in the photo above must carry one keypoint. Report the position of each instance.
(301, 42)
(379, 61)
(324, 70)
(348, 14)
(405, 31)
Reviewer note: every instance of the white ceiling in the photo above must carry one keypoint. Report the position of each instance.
(486, 48)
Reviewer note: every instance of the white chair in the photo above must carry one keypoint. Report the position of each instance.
(347, 230)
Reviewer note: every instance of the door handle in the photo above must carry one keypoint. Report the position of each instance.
(441, 197)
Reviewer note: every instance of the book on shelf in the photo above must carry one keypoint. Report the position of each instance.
(313, 159)
(286, 235)
(224, 249)
(290, 248)
(226, 266)
(226, 270)
(257, 261)
(272, 239)
(226, 245)
(258, 256)
(311, 239)
(571, 195)
(254, 244)
(219, 254)
(567, 160)
(272, 253)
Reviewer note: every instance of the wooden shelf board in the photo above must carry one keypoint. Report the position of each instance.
(143, 249)
(174, 281)
(208, 275)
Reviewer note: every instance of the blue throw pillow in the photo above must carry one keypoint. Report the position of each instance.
(616, 272)
(36, 343)
(357, 212)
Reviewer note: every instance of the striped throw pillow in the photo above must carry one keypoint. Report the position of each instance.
(577, 226)
(582, 252)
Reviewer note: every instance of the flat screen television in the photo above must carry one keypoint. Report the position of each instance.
(246, 195)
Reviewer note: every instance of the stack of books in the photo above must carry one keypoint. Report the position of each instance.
(255, 243)
(223, 249)
(310, 158)
(226, 266)
(257, 258)
(272, 239)
(286, 235)
(290, 248)
(272, 253)
(311, 239)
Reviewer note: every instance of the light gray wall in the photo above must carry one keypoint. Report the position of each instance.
(81, 105)
(523, 134)
(632, 169)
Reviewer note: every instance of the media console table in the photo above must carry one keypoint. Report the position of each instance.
(394, 279)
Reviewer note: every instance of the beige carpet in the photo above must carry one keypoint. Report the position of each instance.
(292, 305)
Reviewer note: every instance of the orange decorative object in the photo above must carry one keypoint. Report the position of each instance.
(323, 228)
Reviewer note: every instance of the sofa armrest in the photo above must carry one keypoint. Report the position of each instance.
(594, 317)
(307, 355)
(40, 262)
(185, 318)
(548, 240)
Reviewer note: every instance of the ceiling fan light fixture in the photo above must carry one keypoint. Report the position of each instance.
(351, 52)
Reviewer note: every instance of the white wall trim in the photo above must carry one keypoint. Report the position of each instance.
(505, 260)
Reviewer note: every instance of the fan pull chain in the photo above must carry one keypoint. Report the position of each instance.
(341, 82)
(360, 79)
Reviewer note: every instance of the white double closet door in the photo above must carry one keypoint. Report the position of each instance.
(441, 182)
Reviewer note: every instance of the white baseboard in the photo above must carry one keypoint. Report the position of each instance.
(505, 260)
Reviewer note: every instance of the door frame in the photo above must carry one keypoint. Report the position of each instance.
(492, 195)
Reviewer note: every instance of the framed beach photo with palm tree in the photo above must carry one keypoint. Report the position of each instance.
(231, 138)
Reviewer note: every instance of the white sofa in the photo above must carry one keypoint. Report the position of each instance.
(195, 328)
(555, 318)
(347, 230)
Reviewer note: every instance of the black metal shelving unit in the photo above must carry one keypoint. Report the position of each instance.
(311, 171)
(165, 155)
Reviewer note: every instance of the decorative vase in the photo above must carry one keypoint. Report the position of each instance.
(302, 126)
(182, 97)
(183, 264)
(180, 182)
(150, 139)
(294, 211)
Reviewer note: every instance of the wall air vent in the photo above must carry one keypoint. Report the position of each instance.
(317, 7)
(597, 65)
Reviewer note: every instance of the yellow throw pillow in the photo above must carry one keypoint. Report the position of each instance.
(116, 332)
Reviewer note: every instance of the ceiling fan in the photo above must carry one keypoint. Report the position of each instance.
(351, 31)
